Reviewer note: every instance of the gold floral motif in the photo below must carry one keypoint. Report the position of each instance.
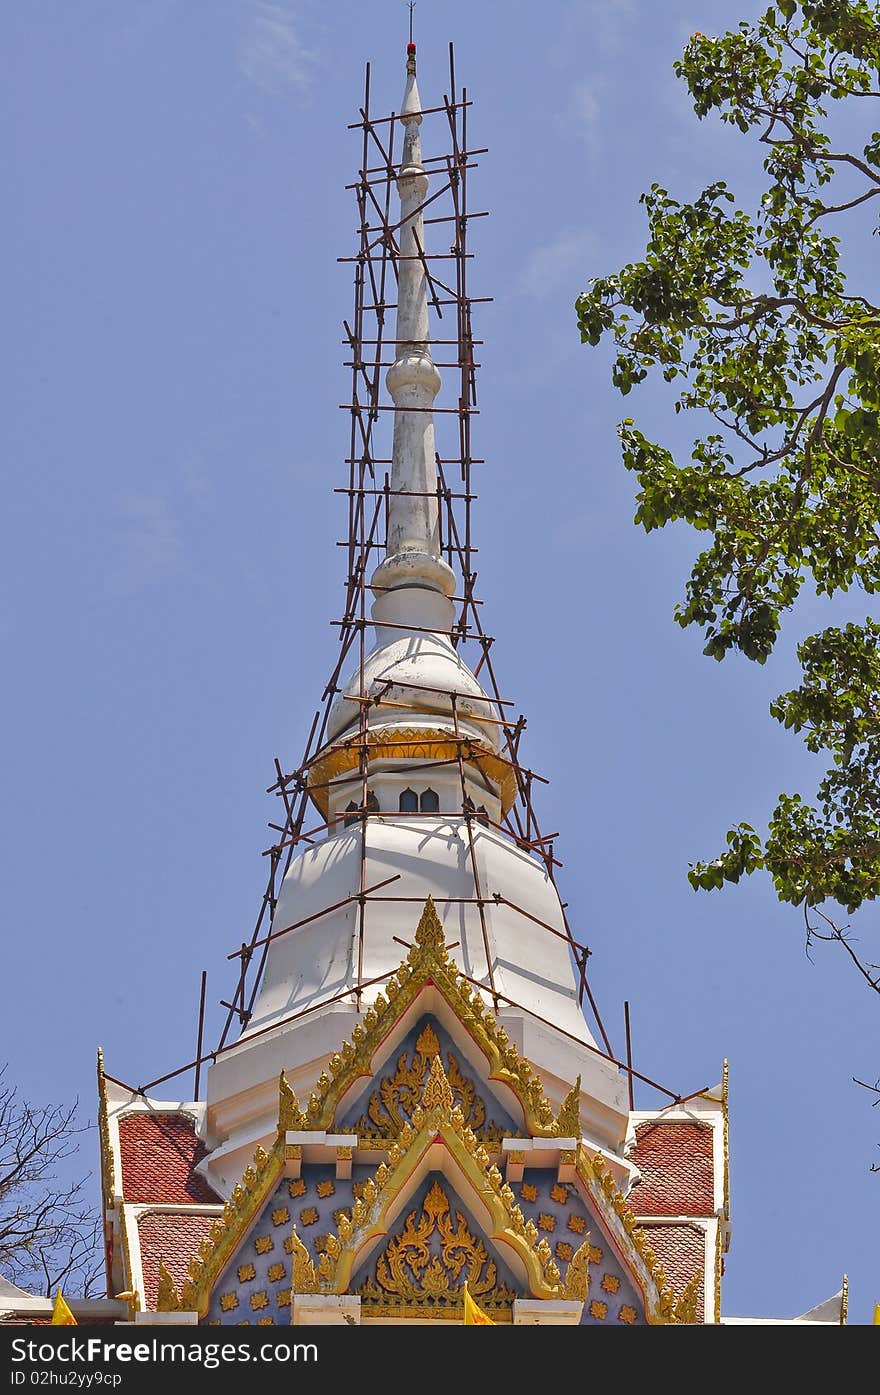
(559, 1192)
(563, 1250)
(228, 1302)
(610, 1283)
(577, 1224)
(528, 1191)
(390, 1106)
(309, 1216)
(282, 1298)
(259, 1300)
(628, 1314)
(595, 1254)
(264, 1244)
(546, 1221)
(280, 1215)
(408, 1271)
(296, 1188)
(266, 1322)
(326, 1188)
(275, 1273)
(598, 1310)
(246, 1272)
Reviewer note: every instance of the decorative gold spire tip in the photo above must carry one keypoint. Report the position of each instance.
(290, 1116)
(438, 1093)
(429, 934)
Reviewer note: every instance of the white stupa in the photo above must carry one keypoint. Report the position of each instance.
(414, 730)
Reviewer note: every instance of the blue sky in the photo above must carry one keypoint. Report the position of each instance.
(174, 177)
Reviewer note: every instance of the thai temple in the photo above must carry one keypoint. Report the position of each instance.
(411, 1106)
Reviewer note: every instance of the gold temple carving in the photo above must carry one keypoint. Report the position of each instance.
(390, 1106)
(410, 1274)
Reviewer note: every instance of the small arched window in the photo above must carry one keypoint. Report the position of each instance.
(429, 802)
(351, 814)
(409, 802)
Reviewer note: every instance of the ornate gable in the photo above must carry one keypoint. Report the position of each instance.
(316, 1215)
(386, 1105)
(428, 966)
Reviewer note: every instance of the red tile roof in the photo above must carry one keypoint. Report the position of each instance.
(676, 1164)
(681, 1249)
(159, 1153)
(174, 1238)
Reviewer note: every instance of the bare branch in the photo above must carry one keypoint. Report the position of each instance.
(49, 1230)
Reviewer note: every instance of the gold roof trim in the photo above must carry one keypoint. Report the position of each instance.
(725, 1081)
(428, 960)
(410, 743)
(108, 1169)
(662, 1303)
(125, 1246)
(245, 1203)
(217, 1248)
(108, 1165)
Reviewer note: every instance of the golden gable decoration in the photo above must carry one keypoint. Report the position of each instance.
(439, 1112)
(669, 1306)
(428, 959)
(217, 1248)
(409, 1275)
(390, 1105)
(431, 1118)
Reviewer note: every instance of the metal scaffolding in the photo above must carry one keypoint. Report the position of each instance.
(370, 341)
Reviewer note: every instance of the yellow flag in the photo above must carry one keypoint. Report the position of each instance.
(473, 1313)
(61, 1313)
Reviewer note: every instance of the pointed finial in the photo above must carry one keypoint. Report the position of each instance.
(437, 1093)
(568, 1120)
(411, 48)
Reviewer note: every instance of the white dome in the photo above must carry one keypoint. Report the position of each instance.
(420, 669)
(306, 1004)
(314, 963)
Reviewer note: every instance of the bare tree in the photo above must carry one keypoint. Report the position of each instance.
(49, 1230)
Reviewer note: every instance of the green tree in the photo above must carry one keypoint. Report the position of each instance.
(753, 318)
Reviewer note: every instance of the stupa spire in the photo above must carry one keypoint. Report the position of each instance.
(413, 582)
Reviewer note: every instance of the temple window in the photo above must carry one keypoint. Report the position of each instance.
(409, 802)
(429, 802)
